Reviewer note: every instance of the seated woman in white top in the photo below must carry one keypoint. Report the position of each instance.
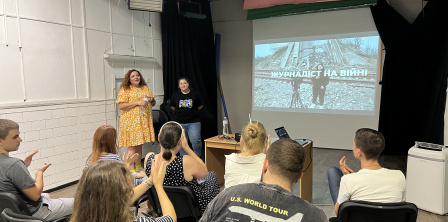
(246, 166)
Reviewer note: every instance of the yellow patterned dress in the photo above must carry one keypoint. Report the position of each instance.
(135, 124)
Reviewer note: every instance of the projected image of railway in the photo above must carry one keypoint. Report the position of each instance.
(336, 75)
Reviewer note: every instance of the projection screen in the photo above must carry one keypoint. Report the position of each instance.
(317, 74)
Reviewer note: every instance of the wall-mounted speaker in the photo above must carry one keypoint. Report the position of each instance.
(146, 5)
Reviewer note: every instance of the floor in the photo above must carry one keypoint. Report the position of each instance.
(322, 159)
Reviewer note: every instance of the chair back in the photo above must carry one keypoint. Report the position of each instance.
(185, 203)
(158, 119)
(166, 108)
(13, 202)
(363, 211)
(9, 216)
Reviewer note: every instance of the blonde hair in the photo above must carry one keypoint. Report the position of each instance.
(254, 136)
(104, 141)
(103, 193)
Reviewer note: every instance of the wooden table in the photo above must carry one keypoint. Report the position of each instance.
(216, 148)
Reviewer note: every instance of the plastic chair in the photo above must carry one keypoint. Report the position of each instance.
(158, 119)
(185, 203)
(13, 202)
(9, 216)
(137, 203)
(363, 211)
(166, 108)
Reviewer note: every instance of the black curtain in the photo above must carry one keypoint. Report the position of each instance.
(415, 71)
(188, 50)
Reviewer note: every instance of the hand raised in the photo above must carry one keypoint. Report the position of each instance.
(44, 167)
(158, 170)
(29, 158)
(184, 139)
(129, 160)
(344, 168)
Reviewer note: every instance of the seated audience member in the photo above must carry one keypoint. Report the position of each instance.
(104, 147)
(105, 193)
(272, 199)
(184, 170)
(246, 166)
(372, 183)
(15, 177)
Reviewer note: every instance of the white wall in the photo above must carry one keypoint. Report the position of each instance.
(235, 68)
(229, 20)
(55, 82)
(63, 135)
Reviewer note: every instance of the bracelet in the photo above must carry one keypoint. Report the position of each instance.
(147, 184)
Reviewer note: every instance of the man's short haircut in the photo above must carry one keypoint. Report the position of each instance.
(7, 125)
(286, 158)
(370, 141)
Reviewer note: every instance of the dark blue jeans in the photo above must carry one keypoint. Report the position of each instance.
(334, 175)
(193, 133)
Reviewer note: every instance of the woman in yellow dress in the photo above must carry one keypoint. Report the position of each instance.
(135, 100)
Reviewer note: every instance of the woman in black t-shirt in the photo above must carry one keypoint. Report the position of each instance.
(186, 105)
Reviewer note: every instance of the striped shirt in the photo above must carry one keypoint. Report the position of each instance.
(165, 218)
(108, 156)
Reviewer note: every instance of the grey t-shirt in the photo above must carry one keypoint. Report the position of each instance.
(15, 177)
(261, 202)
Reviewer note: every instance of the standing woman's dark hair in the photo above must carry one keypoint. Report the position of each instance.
(127, 80)
(169, 137)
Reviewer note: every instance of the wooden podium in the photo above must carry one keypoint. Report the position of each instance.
(216, 148)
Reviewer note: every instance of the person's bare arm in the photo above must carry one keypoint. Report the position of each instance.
(130, 105)
(141, 188)
(196, 166)
(35, 191)
(336, 208)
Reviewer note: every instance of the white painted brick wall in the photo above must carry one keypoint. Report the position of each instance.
(62, 134)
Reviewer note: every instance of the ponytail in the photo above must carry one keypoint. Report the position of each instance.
(167, 151)
(169, 136)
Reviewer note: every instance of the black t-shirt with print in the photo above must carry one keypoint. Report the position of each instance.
(186, 107)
